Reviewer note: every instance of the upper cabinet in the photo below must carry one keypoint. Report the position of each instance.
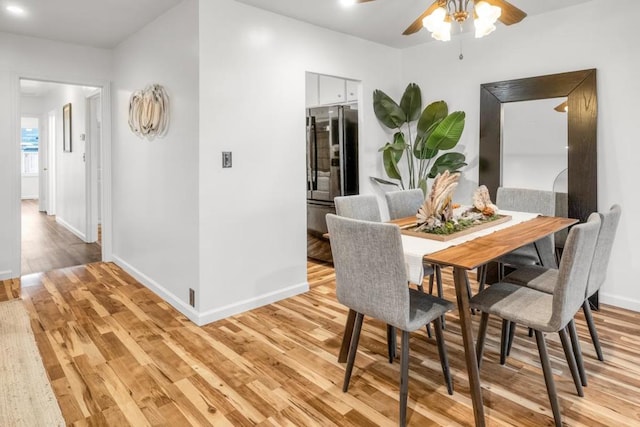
(326, 90)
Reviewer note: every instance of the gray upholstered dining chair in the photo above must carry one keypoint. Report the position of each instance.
(533, 201)
(544, 312)
(544, 279)
(360, 206)
(371, 279)
(404, 203)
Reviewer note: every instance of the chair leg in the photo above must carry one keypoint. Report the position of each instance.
(429, 330)
(482, 277)
(577, 351)
(548, 378)
(431, 277)
(467, 282)
(391, 342)
(438, 273)
(404, 378)
(586, 308)
(442, 351)
(512, 333)
(346, 338)
(482, 334)
(571, 361)
(504, 339)
(353, 349)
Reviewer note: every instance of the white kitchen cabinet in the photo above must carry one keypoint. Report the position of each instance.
(352, 90)
(332, 90)
(311, 85)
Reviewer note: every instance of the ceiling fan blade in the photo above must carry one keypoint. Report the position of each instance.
(417, 24)
(510, 13)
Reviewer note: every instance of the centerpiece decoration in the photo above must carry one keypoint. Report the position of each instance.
(440, 219)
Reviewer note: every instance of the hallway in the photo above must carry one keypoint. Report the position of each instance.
(46, 245)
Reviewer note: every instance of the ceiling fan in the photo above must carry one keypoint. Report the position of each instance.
(439, 15)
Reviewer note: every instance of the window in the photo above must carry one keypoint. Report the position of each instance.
(29, 139)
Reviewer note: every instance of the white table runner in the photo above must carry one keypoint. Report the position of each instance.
(415, 248)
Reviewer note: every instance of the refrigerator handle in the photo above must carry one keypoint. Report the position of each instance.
(312, 169)
(341, 136)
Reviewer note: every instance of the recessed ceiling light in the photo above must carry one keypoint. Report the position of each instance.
(15, 10)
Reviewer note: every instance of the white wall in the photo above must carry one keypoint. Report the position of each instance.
(252, 102)
(35, 58)
(155, 183)
(557, 42)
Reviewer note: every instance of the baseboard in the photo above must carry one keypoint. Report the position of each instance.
(617, 301)
(158, 289)
(7, 274)
(250, 304)
(29, 197)
(71, 228)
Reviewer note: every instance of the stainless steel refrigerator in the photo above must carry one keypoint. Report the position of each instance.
(332, 169)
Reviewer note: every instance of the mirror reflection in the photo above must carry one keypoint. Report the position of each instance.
(534, 144)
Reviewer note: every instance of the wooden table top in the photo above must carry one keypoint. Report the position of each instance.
(477, 252)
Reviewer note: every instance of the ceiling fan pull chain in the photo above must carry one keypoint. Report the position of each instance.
(461, 56)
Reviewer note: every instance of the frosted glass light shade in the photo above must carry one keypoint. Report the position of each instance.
(438, 25)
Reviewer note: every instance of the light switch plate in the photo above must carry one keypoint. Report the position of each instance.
(226, 159)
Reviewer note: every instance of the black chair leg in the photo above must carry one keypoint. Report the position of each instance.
(482, 334)
(577, 351)
(504, 340)
(468, 283)
(404, 378)
(548, 378)
(512, 333)
(391, 342)
(444, 360)
(571, 361)
(431, 283)
(482, 279)
(438, 273)
(586, 308)
(353, 349)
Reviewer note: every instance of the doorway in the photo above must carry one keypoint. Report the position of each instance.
(59, 223)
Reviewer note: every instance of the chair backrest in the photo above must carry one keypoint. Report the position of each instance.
(361, 206)
(575, 264)
(532, 201)
(370, 268)
(602, 253)
(526, 200)
(404, 203)
(562, 209)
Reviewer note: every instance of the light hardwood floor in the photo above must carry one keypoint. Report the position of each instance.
(118, 355)
(46, 245)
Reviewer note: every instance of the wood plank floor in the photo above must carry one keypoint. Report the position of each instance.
(118, 355)
(46, 245)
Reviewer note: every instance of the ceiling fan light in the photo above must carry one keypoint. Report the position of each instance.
(487, 12)
(483, 27)
(433, 21)
(443, 33)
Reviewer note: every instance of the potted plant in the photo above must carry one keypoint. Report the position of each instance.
(428, 132)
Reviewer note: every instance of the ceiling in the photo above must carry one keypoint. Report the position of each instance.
(97, 23)
(106, 23)
(381, 21)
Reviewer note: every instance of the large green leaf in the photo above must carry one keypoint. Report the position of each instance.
(420, 149)
(411, 102)
(447, 134)
(433, 113)
(448, 161)
(387, 111)
(390, 159)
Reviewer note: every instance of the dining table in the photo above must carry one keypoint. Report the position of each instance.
(465, 254)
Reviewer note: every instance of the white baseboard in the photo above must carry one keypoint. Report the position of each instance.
(71, 228)
(618, 301)
(214, 314)
(29, 197)
(158, 289)
(7, 274)
(250, 304)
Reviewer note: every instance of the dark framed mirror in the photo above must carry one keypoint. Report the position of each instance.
(579, 87)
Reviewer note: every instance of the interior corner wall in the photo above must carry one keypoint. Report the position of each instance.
(557, 42)
(155, 183)
(252, 83)
(35, 58)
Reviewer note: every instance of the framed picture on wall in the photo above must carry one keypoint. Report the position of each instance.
(66, 128)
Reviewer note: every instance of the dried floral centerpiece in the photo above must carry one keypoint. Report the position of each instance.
(440, 219)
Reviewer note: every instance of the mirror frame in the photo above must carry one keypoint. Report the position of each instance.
(580, 89)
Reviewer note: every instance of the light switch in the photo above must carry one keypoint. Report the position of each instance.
(226, 159)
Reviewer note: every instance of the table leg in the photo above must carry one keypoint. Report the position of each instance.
(346, 339)
(460, 279)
